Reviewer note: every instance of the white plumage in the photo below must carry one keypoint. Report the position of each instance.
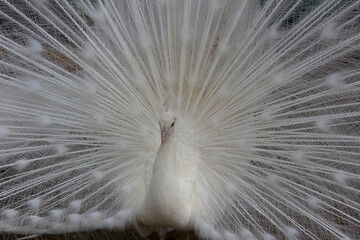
(169, 195)
(264, 100)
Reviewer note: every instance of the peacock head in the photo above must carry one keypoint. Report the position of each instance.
(167, 125)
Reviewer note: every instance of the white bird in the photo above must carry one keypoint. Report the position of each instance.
(169, 195)
(258, 137)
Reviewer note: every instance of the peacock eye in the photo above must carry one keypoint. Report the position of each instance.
(172, 124)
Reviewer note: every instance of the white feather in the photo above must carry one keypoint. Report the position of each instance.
(266, 100)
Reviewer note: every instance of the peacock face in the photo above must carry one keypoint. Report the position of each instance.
(167, 125)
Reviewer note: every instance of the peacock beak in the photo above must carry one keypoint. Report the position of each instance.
(164, 135)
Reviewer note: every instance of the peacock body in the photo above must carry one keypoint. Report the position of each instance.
(237, 119)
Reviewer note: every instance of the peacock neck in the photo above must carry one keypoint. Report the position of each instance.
(165, 162)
